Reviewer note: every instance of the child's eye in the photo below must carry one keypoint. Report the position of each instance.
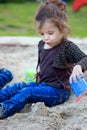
(41, 34)
(51, 33)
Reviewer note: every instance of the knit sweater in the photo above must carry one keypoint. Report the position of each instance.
(68, 54)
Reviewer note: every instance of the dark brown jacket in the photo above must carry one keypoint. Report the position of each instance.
(66, 57)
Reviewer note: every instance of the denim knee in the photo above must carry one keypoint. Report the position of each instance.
(5, 77)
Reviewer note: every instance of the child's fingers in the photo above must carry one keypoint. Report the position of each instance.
(75, 76)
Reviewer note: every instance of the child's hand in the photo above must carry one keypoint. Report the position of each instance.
(76, 73)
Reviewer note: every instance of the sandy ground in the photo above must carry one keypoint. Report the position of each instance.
(68, 116)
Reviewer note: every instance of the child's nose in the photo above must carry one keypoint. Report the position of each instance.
(46, 37)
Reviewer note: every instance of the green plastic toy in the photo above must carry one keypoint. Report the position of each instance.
(29, 76)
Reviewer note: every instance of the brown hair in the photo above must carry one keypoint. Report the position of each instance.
(55, 11)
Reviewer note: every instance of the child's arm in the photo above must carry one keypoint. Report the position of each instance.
(79, 58)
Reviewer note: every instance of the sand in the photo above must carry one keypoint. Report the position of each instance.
(68, 116)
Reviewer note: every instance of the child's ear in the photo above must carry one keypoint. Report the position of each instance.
(64, 31)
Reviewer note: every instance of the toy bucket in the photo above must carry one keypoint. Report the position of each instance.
(79, 87)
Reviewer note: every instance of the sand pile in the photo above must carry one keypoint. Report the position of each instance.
(68, 116)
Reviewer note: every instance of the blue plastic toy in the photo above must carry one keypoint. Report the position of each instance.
(64, 0)
(79, 88)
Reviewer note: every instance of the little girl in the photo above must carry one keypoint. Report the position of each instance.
(59, 61)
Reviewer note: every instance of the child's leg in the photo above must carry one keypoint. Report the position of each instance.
(11, 90)
(5, 77)
(49, 95)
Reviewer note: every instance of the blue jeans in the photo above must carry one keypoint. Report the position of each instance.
(15, 97)
(5, 77)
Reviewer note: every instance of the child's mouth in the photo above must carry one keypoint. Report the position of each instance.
(48, 43)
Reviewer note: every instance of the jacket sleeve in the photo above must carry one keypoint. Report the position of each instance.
(76, 56)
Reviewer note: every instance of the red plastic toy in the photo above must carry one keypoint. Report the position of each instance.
(77, 4)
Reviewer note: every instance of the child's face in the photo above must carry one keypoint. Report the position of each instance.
(50, 34)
